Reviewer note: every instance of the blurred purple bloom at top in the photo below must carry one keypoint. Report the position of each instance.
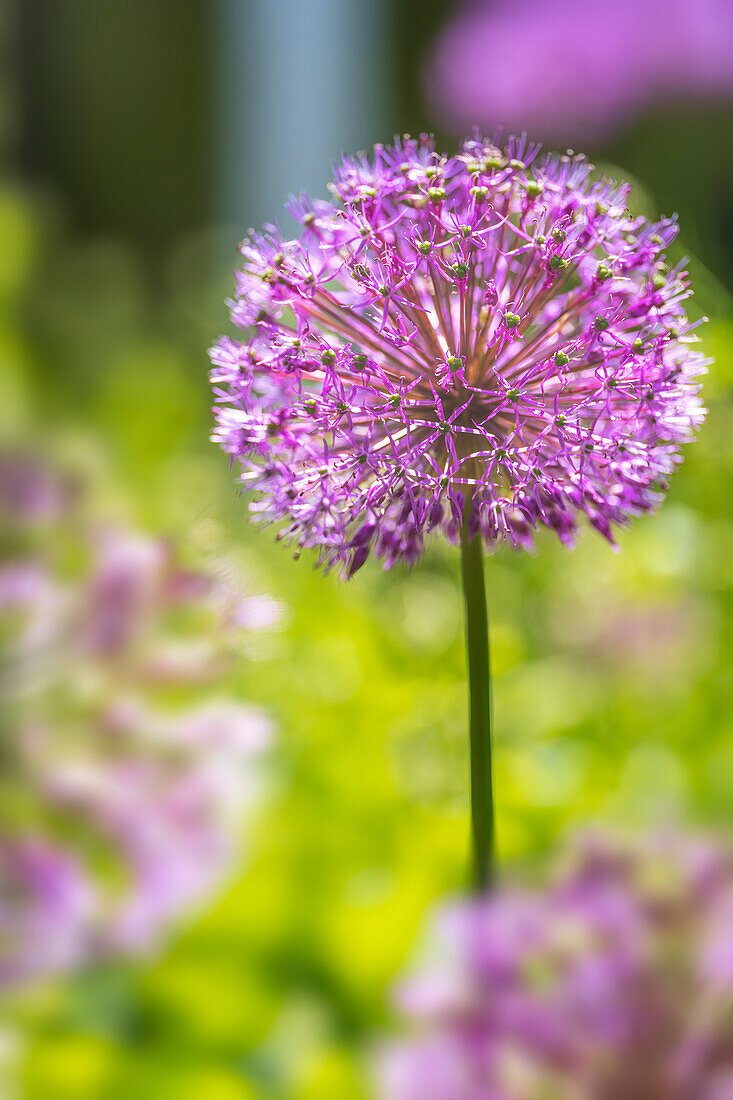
(576, 70)
(613, 982)
(120, 809)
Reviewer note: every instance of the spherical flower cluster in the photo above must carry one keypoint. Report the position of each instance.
(490, 338)
(122, 790)
(615, 981)
(568, 71)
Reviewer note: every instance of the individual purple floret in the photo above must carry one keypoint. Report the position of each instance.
(489, 338)
(612, 983)
(123, 787)
(573, 70)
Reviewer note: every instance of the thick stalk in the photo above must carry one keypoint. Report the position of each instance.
(479, 694)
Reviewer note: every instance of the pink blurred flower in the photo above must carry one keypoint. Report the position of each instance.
(125, 589)
(576, 70)
(29, 490)
(46, 903)
(128, 805)
(613, 981)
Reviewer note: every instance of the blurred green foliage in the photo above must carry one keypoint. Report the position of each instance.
(614, 699)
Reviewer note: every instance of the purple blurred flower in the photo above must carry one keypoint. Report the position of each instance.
(122, 810)
(573, 70)
(30, 491)
(490, 334)
(46, 904)
(124, 590)
(613, 982)
(166, 828)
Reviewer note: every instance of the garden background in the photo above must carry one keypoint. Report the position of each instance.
(140, 139)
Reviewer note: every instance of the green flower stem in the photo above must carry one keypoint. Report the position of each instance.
(479, 694)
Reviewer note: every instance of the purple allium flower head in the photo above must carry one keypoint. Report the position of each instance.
(574, 70)
(490, 336)
(613, 981)
(121, 801)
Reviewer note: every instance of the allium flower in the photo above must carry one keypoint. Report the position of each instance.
(614, 982)
(119, 810)
(573, 71)
(490, 339)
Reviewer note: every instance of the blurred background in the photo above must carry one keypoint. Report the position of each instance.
(139, 140)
